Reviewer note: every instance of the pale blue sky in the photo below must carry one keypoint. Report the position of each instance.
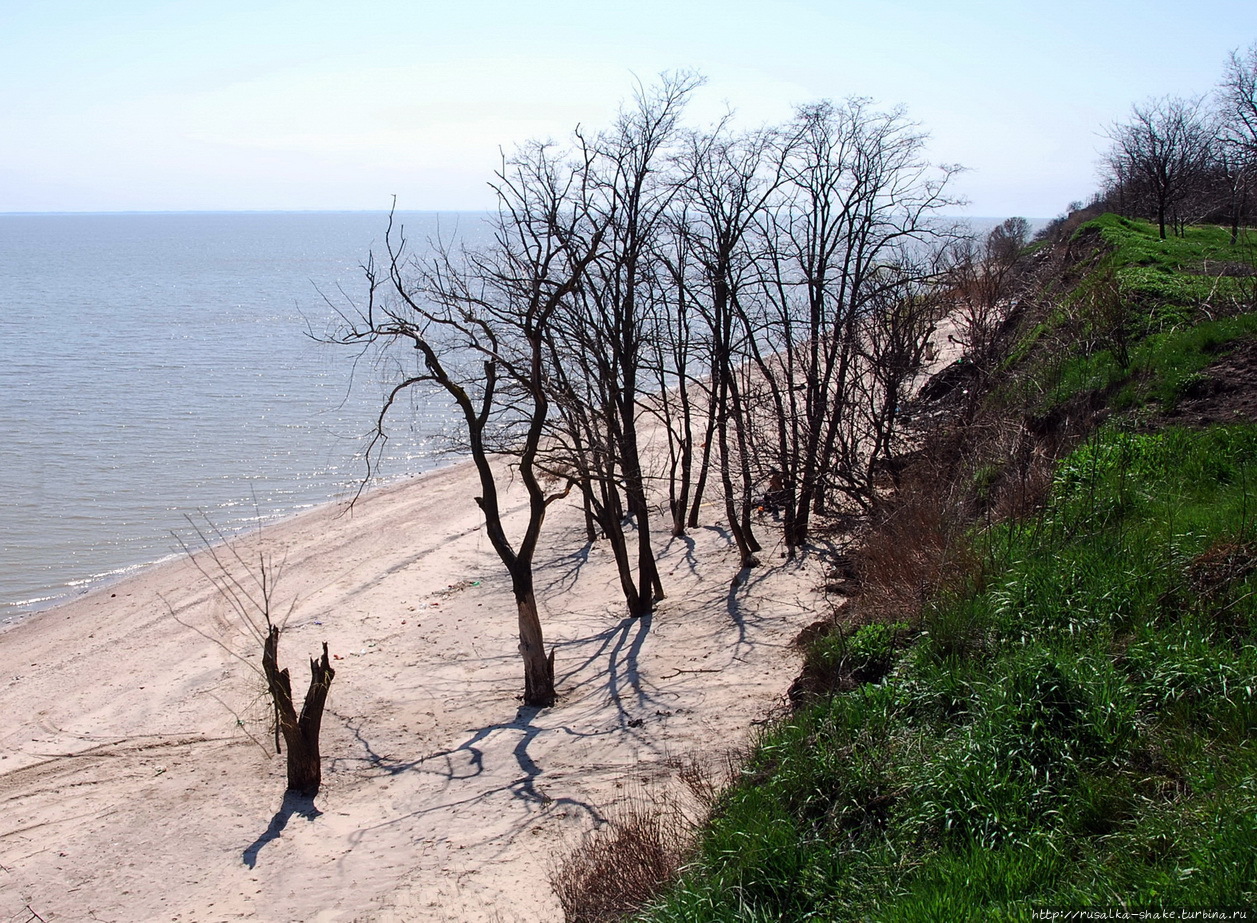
(110, 105)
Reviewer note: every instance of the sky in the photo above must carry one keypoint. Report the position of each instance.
(172, 105)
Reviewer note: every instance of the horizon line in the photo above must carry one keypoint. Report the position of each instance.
(338, 211)
(241, 211)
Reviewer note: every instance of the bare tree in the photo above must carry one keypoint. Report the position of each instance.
(1162, 150)
(1237, 150)
(606, 331)
(891, 336)
(729, 179)
(675, 342)
(476, 322)
(748, 291)
(300, 731)
(982, 276)
(855, 197)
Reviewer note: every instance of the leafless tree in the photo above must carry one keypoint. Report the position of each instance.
(476, 323)
(729, 180)
(675, 342)
(891, 337)
(248, 588)
(1237, 114)
(300, 730)
(1163, 149)
(764, 295)
(605, 334)
(855, 197)
(982, 276)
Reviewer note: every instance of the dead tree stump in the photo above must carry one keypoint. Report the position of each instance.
(300, 732)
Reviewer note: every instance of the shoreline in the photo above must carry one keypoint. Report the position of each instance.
(130, 787)
(135, 782)
(15, 613)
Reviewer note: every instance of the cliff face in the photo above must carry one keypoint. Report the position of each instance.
(1044, 690)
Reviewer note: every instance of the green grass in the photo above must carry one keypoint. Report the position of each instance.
(1075, 726)
(1163, 368)
(1203, 251)
(1144, 317)
(1077, 731)
(1167, 283)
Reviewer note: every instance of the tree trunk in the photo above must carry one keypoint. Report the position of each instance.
(649, 583)
(705, 465)
(741, 417)
(300, 732)
(680, 492)
(746, 557)
(613, 528)
(538, 668)
(587, 506)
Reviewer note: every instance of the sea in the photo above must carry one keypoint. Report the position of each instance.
(162, 368)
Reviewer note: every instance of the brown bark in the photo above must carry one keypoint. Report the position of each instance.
(300, 732)
(704, 466)
(746, 556)
(538, 668)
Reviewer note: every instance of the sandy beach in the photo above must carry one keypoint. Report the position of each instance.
(132, 787)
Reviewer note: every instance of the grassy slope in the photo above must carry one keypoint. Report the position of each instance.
(1070, 721)
(1141, 318)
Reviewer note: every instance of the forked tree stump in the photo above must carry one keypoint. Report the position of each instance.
(300, 732)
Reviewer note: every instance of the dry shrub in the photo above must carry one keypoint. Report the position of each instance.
(915, 549)
(620, 866)
(1025, 457)
(1223, 564)
(1023, 491)
(994, 468)
(706, 777)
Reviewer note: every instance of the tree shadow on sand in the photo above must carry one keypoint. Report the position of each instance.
(466, 761)
(454, 768)
(621, 647)
(293, 803)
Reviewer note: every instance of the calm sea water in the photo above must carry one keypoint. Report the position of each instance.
(154, 366)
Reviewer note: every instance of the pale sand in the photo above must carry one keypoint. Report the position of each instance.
(129, 793)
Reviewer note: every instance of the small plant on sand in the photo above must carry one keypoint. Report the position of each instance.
(248, 589)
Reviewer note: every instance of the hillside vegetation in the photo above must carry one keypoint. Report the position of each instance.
(1044, 691)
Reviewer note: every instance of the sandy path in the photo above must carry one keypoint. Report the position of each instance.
(129, 792)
